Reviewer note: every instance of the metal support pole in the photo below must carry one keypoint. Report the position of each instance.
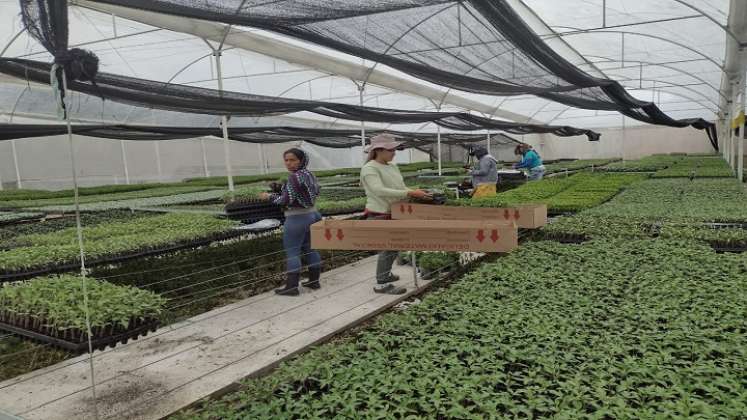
(157, 147)
(227, 153)
(604, 13)
(262, 158)
(158, 161)
(83, 271)
(732, 136)
(487, 142)
(361, 89)
(741, 116)
(438, 144)
(224, 123)
(15, 164)
(726, 131)
(622, 138)
(414, 262)
(205, 169)
(124, 162)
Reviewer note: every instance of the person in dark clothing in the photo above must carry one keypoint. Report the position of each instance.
(484, 174)
(298, 197)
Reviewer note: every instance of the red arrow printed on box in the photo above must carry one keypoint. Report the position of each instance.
(506, 214)
(340, 236)
(401, 208)
(409, 209)
(516, 214)
(328, 234)
(480, 235)
(494, 236)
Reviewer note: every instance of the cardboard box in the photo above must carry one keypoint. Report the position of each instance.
(530, 216)
(415, 235)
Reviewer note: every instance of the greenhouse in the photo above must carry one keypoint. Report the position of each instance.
(383, 209)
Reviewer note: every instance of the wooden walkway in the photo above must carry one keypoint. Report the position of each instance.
(206, 355)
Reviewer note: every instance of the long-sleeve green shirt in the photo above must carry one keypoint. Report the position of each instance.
(383, 184)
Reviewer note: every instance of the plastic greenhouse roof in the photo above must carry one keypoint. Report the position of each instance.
(668, 51)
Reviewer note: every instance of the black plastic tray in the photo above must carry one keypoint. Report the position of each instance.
(82, 347)
(40, 271)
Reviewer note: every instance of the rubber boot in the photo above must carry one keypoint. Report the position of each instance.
(291, 285)
(314, 274)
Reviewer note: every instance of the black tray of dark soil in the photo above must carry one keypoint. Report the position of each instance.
(566, 239)
(341, 212)
(76, 341)
(730, 248)
(253, 211)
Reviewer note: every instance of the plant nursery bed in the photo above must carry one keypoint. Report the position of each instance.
(39, 271)
(75, 340)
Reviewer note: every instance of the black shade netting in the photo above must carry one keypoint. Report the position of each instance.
(480, 46)
(46, 21)
(333, 138)
(181, 98)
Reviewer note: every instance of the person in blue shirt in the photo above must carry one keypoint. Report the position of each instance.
(530, 160)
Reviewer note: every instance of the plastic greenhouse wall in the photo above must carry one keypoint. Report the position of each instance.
(45, 162)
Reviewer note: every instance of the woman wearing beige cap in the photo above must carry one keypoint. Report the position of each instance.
(384, 185)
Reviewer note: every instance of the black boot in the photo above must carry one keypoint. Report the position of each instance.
(291, 285)
(314, 274)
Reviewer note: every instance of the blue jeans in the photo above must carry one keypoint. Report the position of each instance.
(297, 241)
(536, 173)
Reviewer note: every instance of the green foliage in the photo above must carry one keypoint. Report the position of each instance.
(353, 205)
(583, 226)
(615, 329)
(531, 192)
(10, 217)
(26, 194)
(436, 263)
(97, 198)
(699, 167)
(249, 193)
(646, 164)
(342, 193)
(591, 190)
(721, 237)
(576, 165)
(57, 301)
(420, 166)
(573, 193)
(7, 233)
(186, 198)
(708, 200)
(108, 239)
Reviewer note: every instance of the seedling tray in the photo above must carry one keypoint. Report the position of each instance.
(141, 328)
(342, 212)
(567, 238)
(724, 247)
(40, 271)
(253, 211)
